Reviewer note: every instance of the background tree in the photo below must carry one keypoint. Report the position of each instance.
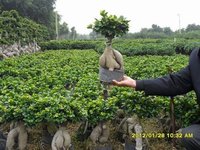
(63, 30)
(73, 33)
(167, 31)
(156, 28)
(40, 11)
(192, 27)
(94, 35)
(13, 28)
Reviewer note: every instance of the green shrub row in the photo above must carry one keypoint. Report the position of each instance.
(69, 44)
(60, 86)
(152, 46)
(129, 47)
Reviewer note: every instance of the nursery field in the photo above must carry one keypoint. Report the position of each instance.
(63, 86)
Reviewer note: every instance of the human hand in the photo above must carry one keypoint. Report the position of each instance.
(126, 82)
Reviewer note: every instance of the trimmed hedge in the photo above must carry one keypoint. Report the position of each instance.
(128, 47)
(63, 86)
(69, 44)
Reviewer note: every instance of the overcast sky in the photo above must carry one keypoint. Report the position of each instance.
(141, 13)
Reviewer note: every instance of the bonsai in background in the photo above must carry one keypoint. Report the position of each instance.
(111, 61)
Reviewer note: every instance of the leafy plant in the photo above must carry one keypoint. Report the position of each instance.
(14, 28)
(110, 26)
(33, 88)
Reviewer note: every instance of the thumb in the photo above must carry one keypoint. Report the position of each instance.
(115, 82)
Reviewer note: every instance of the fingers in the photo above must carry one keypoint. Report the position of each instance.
(125, 77)
(125, 82)
(119, 83)
(115, 82)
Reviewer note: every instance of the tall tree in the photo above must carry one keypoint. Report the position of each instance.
(73, 33)
(167, 30)
(14, 28)
(63, 30)
(40, 11)
(156, 28)
(192, 27)
(37, 10)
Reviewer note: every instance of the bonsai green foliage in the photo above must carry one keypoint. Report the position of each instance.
(110, 25)
(14, 28)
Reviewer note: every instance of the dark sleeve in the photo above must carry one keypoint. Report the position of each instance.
(170, 85)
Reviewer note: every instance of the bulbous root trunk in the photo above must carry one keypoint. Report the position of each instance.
(61, 140)
(17, 133)
(111, 59)
(100, 134)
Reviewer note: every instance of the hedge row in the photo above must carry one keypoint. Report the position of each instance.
(60, 86)
(129, 47)
(69, 44)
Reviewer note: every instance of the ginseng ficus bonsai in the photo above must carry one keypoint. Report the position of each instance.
(110, 26)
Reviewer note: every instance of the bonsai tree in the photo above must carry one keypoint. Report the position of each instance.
(110, 26)
(111, 63)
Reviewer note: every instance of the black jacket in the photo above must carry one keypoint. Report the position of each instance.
(176, 83)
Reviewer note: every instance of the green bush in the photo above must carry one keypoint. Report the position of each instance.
(60, 86)
(14, 28)
(141, 47)
(68, 44)
(128, 47)
(190, 46)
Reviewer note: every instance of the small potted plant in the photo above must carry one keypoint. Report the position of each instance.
(111, 61)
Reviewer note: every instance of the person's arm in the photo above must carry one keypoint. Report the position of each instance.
(171, 85)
